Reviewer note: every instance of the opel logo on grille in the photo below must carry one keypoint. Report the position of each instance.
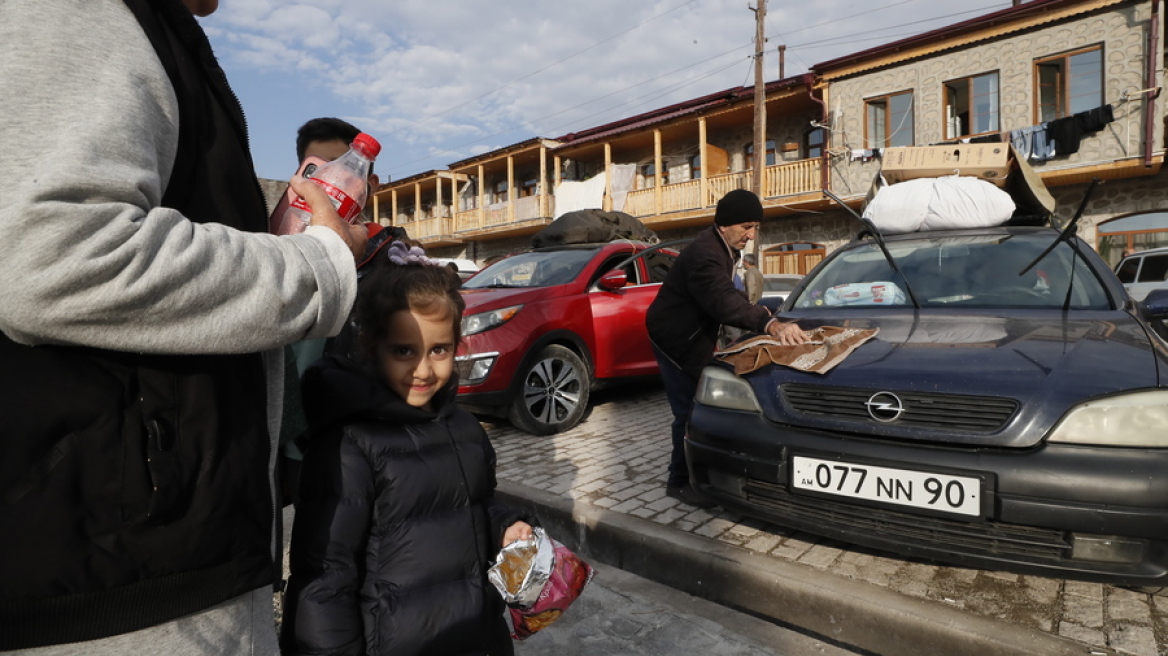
(884, 406)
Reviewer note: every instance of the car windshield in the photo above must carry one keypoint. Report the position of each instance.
(535, 269)
(973, 271)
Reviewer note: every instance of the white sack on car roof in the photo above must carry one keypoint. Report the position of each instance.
(947, 203)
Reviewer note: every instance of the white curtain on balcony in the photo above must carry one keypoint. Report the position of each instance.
(572, 195)
(624, 176)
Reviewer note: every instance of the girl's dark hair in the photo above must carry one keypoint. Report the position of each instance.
(423, 288)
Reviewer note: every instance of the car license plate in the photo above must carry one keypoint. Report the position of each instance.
(959, 495)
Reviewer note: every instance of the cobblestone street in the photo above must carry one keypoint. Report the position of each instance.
(616, 460)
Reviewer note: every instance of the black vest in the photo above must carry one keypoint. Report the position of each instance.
(134, 489)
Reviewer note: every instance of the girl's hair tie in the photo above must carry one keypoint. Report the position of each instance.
(400, 253)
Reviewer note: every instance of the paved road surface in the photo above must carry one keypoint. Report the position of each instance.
(623, 614)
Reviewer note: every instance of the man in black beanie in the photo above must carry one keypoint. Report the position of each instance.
(698, 296)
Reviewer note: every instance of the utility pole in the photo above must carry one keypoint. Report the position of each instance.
(759, 111)
(759, 98)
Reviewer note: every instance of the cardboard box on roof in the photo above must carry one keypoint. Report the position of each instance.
(989, 162)
(1034, 203)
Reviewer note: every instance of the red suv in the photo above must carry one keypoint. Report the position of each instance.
(542, 328)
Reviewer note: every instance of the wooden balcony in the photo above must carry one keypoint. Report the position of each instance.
(786, 179)
(498, 218)
(431, 231)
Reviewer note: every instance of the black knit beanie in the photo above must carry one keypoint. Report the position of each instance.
(738, 206)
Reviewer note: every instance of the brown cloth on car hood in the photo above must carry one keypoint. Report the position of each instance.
(826, 347)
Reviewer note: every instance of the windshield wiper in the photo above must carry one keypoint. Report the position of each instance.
(871, 229)
(1067, 233)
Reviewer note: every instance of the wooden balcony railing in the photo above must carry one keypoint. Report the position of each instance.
(784, 179)
(498, 214)
(791, 178)
(428, 228)
(779, 180)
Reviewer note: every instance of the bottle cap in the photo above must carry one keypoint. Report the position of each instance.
(367, 145)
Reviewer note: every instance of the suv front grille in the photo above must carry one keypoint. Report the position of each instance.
(974, 414)
(959, 537)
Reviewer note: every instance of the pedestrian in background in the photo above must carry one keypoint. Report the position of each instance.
(696, 299)
(326, 138)
(145, 312)
(397, 520)
(752, 277)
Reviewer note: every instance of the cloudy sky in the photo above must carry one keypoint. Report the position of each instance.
(437, 81)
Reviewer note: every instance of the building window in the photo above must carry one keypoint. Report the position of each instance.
(890, 120)
(529, 188)
(971, 106)
(649, 176)
(501, 191)
(1069, 83)
(792, 257)
(770, 154)
(695, 167)
(813, 143)
(1126, 234)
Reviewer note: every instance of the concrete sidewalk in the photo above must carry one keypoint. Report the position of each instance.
(600, 488)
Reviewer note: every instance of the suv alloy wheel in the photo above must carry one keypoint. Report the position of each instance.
(554, 392)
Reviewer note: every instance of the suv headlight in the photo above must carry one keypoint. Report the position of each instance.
(722, 389)
(1135, 420)
(476, 323)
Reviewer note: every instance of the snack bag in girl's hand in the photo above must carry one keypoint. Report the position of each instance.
(520, 571)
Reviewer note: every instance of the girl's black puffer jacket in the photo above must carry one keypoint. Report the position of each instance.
(396, 525)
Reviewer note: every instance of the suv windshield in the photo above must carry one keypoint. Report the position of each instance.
(535, 269)
(966, 271)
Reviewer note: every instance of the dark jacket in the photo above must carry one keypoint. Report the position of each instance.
(698, 296)
(396, 524)
(135, 489)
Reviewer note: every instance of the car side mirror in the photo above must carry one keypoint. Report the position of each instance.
(1156, 303)
(614, 280)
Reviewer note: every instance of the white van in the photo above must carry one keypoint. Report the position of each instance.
(1144, 271)
(464, 268)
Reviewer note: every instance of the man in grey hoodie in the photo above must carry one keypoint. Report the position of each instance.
(141, 330)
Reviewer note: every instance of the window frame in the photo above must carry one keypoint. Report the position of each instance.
(969, 82)
(500, 191)
(809, 146)
(772, 154)
(648, 178)
(885, 100)
(1063, 103)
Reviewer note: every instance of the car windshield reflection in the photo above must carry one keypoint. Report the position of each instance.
(534, 269)
(966, 271)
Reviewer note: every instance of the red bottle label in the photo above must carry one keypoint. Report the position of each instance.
(348, 208)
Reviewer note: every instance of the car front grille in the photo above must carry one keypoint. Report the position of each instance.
(973, 538)
(974, 414)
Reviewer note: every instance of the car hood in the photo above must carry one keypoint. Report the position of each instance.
(492, 298)
(1047, 362)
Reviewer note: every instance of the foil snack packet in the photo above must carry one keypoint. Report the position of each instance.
(538, 579)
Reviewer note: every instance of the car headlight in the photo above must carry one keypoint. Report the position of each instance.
(1136, 420)
(722, 389)
(477, 323)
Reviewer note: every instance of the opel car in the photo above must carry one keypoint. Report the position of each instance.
(1010, 413)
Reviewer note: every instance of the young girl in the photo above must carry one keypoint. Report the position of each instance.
(397, 522)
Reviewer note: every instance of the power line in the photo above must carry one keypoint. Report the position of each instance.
(641, 100)
(530, 124)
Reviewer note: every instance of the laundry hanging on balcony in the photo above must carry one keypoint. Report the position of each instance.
(1061, 136)
(572, 195)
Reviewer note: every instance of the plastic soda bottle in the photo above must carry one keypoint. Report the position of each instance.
(346, 179)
